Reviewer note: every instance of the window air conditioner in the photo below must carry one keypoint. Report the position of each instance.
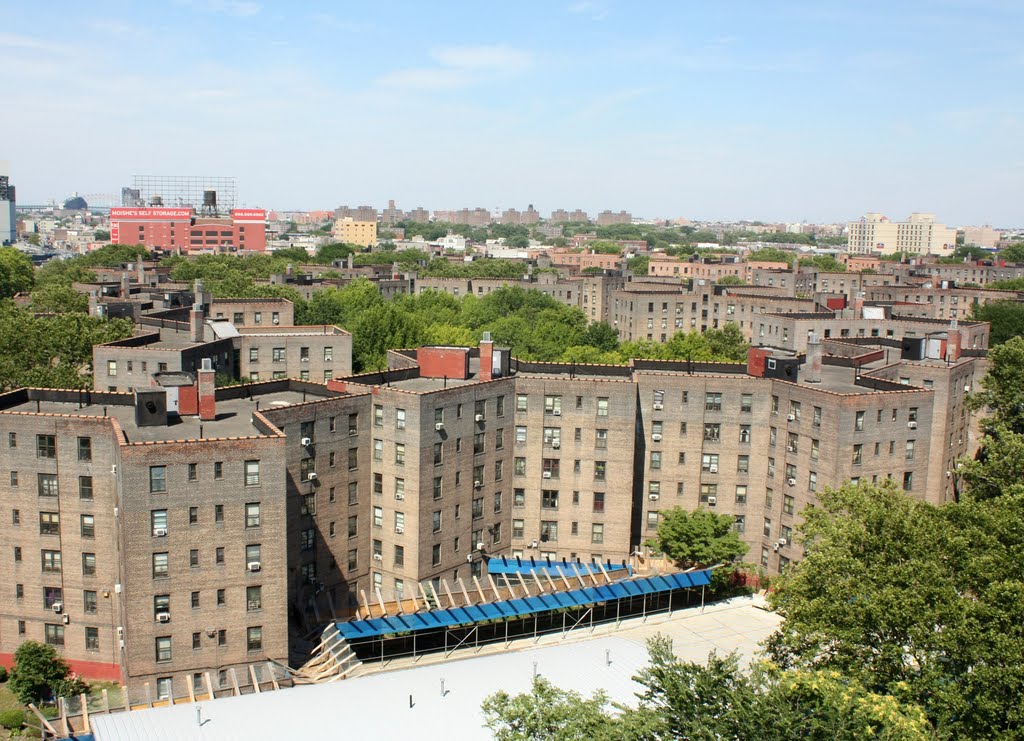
(791, 418)
(712, 501)
(547, 474)
(58, 607)
(912, 425)
(654, 497)
(791, 482)
(378, 557)
(277, 321)
(399, 496)
(66, 619)
(713, 468)
(399, 529)
(775, 547)
(479, 418)
(782, 541)
(480, 546)
(658, 407)
(253, 605)
(557, 412)
(304, 360)
(311, 476)
(478, 484)
(555, 444)
(656, 437)
(438, 426)
(790, 449)
(306, 442)
(254, 566)
(163, 617)
(160, 532)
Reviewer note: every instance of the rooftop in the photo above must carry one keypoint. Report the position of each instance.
(234, 416)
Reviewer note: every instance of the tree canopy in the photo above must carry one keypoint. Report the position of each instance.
(913, 600)
(16, 274)
(1005, 317)
(40, 673)
(1013, 253)
(698, 538)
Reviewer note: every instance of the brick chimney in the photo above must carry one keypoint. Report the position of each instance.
(207, 388)
(954, 342)
(196, 324)
(486, 357)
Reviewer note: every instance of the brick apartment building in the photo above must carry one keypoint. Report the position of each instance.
(181, 230)
(215, 529)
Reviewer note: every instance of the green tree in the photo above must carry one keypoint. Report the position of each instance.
(1014, 253)
(1005, 317)
(38, 671)
(16, 274)
(1010, 284)
(731, 280)
(547, 712)
(64, 273)
(915, 600)
(101, 235)
(639, 265)
(342, 306)
(58, 299)
(601, 335)
(379, 329)
(328, 253)
(1002, 386)
(828, 263)
(771, 254)
(698, 538)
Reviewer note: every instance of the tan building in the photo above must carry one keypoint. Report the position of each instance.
(918, 235)
(982, 236)
(350, 231)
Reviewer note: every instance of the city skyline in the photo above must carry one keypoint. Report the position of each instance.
(800, 113)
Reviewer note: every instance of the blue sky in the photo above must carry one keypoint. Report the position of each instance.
(784, 111)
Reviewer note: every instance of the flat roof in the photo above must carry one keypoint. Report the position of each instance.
(234, 417)
(376, 705)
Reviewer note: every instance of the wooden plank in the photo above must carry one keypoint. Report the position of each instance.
(234, 682)
(85, 712)
(42, 719)
(607, 578)
(191, 689)
(451, 600)
(209, 685)
(273, 676)
(366, 603)
(497, 594)
(465, 593)
(255, 680)
(127, 700)
(511, 592)
(483, 599)
(423, 593)
(540, 584)
(380, 601)
(576, 568)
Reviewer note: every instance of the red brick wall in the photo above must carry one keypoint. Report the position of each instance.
(443, 362)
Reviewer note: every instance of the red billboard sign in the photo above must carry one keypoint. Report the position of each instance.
(150, 213)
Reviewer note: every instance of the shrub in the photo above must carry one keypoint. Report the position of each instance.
(12, 719)
(3, 673)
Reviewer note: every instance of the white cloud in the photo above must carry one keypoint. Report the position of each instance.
(460, 66)
(16, 41)
(118, 28)
(238, 8)
(597, 11)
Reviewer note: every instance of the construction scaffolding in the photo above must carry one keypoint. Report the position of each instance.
(182, 191)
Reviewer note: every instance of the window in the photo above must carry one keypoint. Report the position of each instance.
(478, 443)
(741, 494)
(814, 449)
(47, 484)
(218, 513)
(85, 448)
(436, 521)
(521, 402)
(277, 354)
(353, 492)
(378, 415)
(253, 553)
(908, 480)
(858, 454)
(597, 533)
(195, 600)
(551, 468)
(912, 415)
(553, 405)
(478, 508)
(400, 419)
(519, 497)
(51, 562)
(518, 527)
(218, 470)
(746, 403)
(221, 598)
(817, 417)
(14, 478)
(89, 602)
(548, 530)
(742, 464)
(773, 435)
(709, 462)
(378, 516)
(54, 634)
(600, 470)
(12, 439)
(652, 520)
(812, 481)
(160, 569)
(792, 442)
(399, 454)
(775, 404)
(549, 499)
(858, 422)
(157, 479)
(158, 522)
(767, 529)
(111, 367)
(712, 432)
(601, 439)
(497, 501)
(602, 407)
(49, 523)
(712, 402)
(88, 524)
(744, 433)
(788, 504)
(740, 523)
(254, 355)
(92, 639)
(51, 595)
(520, 433)
(655, 459)
(163, 648)
(254, 638)
(253, 514)
(707, 491)
(499, 403)
(328, 354)
(307, 466)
